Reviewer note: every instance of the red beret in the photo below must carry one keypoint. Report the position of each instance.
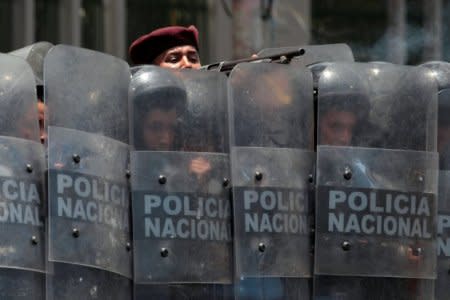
(145, 49)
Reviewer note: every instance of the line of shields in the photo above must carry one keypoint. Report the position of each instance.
(315, 179)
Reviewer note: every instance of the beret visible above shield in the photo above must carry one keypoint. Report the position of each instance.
(145, 49)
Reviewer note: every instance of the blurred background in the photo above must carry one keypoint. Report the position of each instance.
(399, 31)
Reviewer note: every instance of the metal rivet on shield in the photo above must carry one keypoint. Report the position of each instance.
(29, 168)
(258, 176)
(420, 178)
(162, 179)
(347, 173)
(310, 178)
(75, 232)
(225, 182)
(34, 240)
(164, 252)
(346, 246)
(127, 174)
(76, 158)
(128, 247)
(417, 251)
(261, 247)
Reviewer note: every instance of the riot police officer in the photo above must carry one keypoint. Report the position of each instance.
(365, 251)
(159, 113)
(168, 47)
(180, 163)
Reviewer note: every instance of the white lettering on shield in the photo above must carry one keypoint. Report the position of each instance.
(276, 211)
(369, 213)
(20, 202)
(186, 217)
(443, 235)
(86, 198)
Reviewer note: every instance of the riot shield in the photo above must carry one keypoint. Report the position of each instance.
(376, 182)
(441, 72)
(89, 230)
(22, 213)
(313, 54)
(443, 244)
(180, 185)
(271, 121)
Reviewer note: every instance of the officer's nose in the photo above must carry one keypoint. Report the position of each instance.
(186, 63)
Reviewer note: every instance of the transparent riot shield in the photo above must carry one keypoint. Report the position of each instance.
(440, 71)
(22, 203)
(376, 182)
(313, 54)
(180, 185)
(271, 121)
(89, 226)
(443, 242)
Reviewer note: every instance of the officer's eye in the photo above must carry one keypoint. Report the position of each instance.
(173, 58)
(193, 58)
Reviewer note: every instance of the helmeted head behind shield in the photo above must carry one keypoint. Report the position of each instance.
(158, 100)
(343, 105)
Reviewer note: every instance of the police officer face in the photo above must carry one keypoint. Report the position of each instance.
(336, 127)
(159, 129)
(181, 57)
